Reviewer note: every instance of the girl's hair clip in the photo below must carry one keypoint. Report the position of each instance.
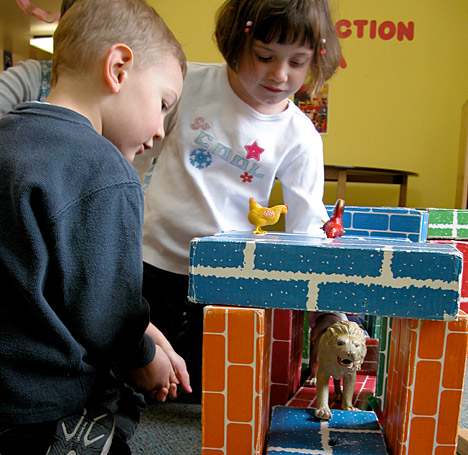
(248, 24)
(323, 51)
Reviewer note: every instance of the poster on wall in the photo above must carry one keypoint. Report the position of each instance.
(315, 107)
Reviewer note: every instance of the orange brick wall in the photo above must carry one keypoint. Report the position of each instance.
(235, 401)
(425, 385)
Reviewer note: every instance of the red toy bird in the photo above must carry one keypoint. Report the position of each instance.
(334, 226)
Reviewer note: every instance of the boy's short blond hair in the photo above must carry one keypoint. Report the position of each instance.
(91, 27)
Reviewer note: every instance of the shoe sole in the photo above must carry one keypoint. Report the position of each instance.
(74, 438)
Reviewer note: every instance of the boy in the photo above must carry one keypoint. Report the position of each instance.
(71, 219)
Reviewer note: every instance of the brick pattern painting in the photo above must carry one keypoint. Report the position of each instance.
(425, 385)
(296, 431)
(306, 397)
(462, 246)
(389, 277)
(236, 380)
(287, 355)
(391, 222)
(448, 224)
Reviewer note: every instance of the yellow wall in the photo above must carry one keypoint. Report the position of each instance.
(397, 104)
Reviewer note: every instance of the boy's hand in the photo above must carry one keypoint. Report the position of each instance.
(180, 369)
(178, 363)
(157, 377)
(162, 394)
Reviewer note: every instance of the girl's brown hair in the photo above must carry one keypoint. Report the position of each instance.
(284, 21)
(66, 5)
(90, 27)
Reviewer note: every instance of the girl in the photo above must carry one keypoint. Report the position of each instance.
(236, 132)
(29, 80)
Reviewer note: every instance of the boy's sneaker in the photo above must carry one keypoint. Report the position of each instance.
(90, 433)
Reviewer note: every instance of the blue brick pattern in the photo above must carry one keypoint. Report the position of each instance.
(317, 261)
(393, 277)
(386, 222)
(223, 255)
(298, 431)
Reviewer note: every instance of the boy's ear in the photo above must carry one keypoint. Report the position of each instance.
(118, 62)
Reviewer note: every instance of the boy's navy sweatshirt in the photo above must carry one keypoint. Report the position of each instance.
(71, 216)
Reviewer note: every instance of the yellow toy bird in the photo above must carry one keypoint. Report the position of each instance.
(264, 216)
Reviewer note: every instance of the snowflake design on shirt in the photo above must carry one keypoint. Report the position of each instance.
(44, 89)
(200, 158)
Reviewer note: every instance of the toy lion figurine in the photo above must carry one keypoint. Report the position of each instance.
(341, 351)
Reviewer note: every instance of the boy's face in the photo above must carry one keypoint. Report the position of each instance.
(270, 73)
(144, 100)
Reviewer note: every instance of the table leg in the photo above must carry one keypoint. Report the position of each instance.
(341, 190)
(403, 191)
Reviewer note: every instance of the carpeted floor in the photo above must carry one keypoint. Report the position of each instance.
(171, 428)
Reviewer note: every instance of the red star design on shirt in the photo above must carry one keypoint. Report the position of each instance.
(254, 151)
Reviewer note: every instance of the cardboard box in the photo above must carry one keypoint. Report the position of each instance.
(425, 385)
(386, 277)
(390, 222)
(448, 224)
(286, 361)
(236, 380)
(385, 336)
(462, 246)
(298, 431)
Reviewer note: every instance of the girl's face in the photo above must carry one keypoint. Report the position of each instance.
(269, 74)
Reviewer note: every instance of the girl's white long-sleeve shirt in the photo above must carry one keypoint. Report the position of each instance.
(219, 153)
(29, 80)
